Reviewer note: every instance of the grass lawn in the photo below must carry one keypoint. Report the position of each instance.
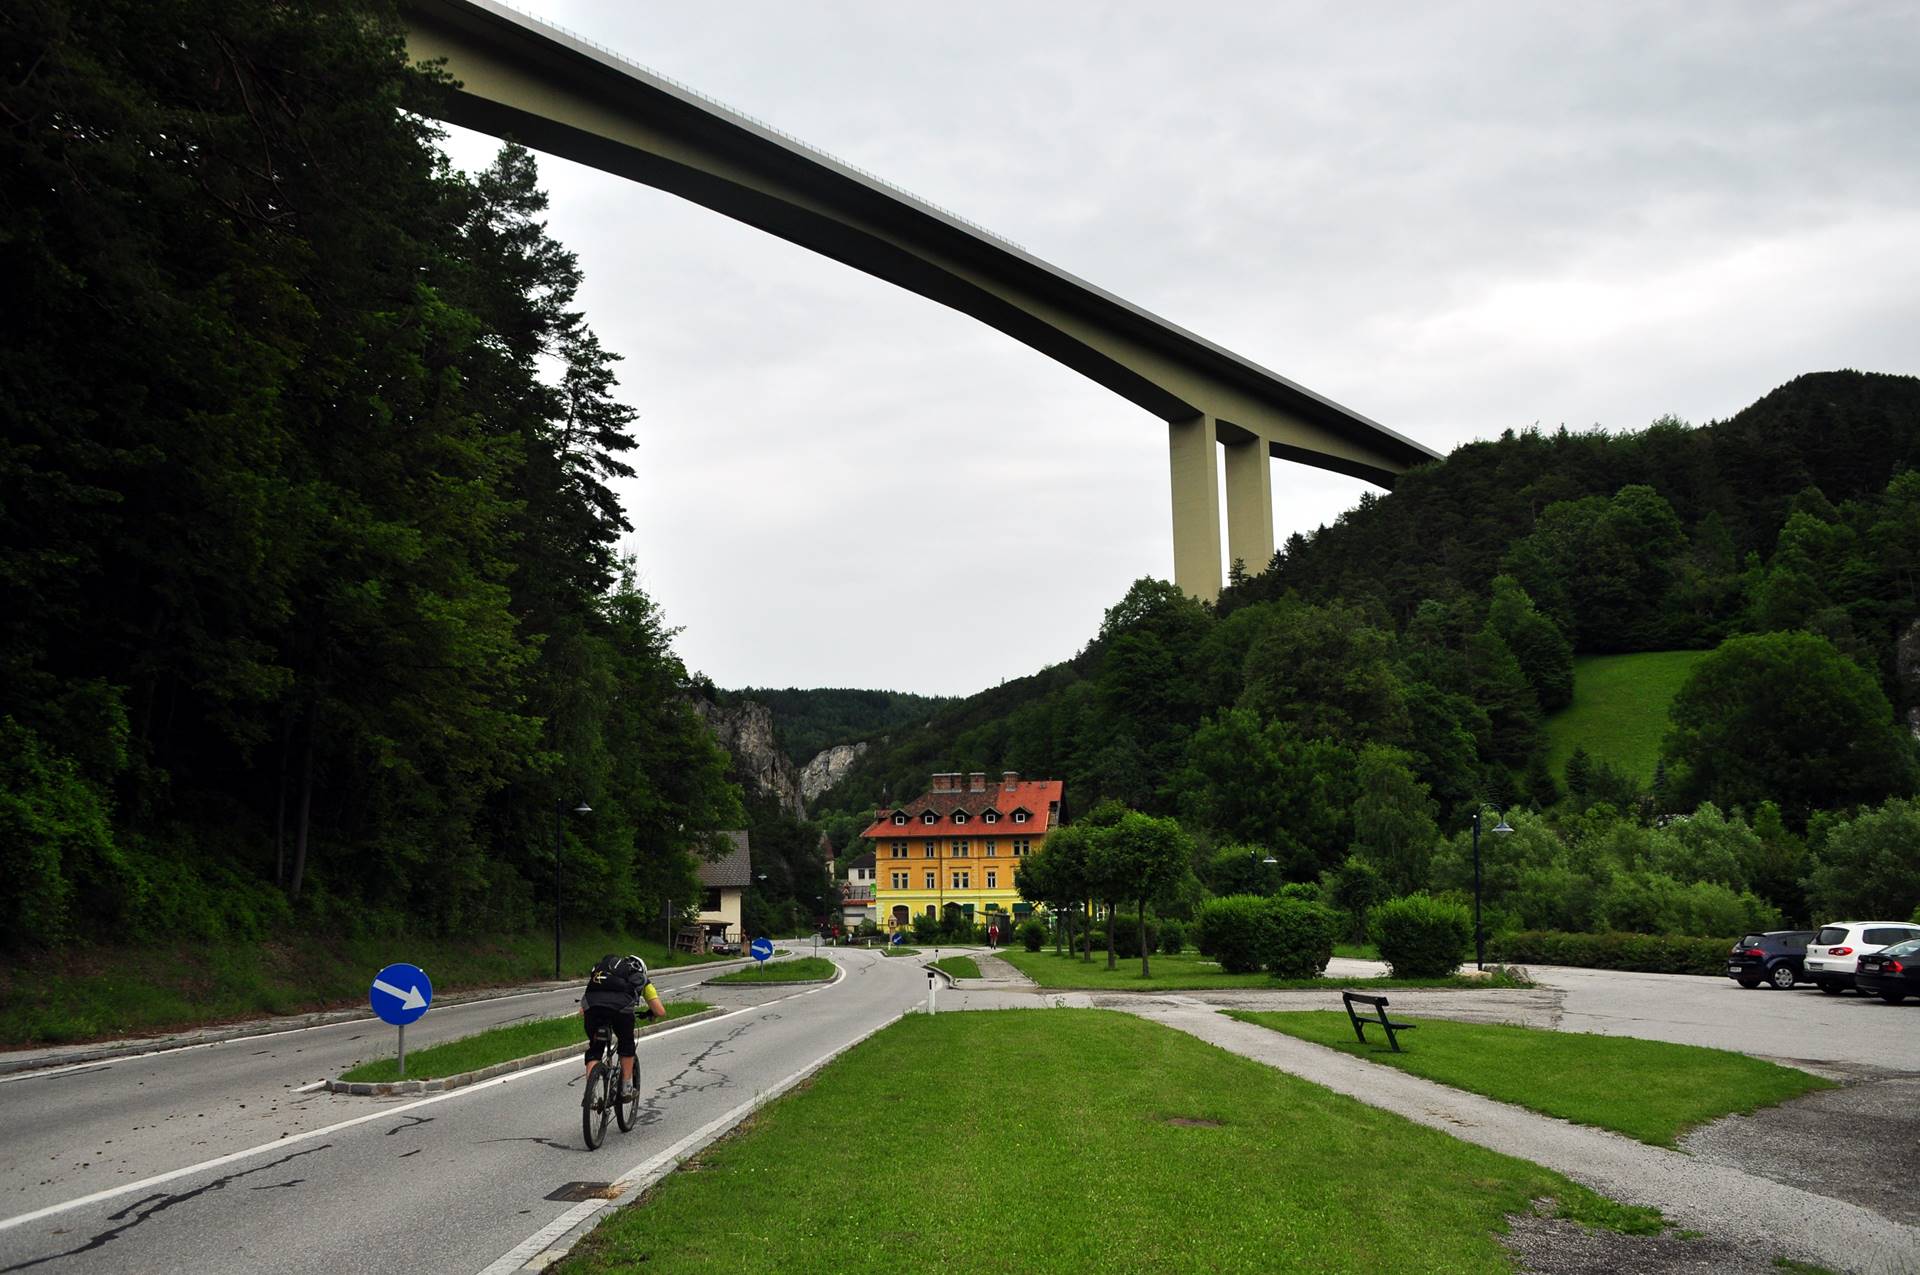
(1646, 1089)
(796, 970)
(1130, 1147)
(900, 951)
(1619, 710)
(502, 1044)
(959, 966)
(101, 992)
(1357, 951)
(1189, 971)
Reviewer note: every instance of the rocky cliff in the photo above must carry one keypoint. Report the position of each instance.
(745, 730)
(827, 768)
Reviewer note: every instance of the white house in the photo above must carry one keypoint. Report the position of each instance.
(724, 884)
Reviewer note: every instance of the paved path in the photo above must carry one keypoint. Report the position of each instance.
(210, 1160)
(1715, 1199)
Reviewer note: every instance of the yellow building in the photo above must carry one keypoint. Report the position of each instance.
(957, 845)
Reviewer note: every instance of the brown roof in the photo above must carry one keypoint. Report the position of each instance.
(734, 869)
(1034, 796)
(866, 861)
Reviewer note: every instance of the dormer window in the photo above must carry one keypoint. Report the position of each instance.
(992, 816)
(929, 817)
(959, 816)
(899, 818)
(1019, 816)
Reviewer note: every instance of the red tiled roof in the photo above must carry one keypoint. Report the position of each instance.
(1031, 795)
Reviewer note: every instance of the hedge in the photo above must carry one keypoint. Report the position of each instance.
(1646, 953)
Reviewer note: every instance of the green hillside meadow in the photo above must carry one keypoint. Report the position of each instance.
(1619, 710)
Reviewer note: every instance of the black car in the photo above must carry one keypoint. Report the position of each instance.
(1773, 957)
(1892, 973)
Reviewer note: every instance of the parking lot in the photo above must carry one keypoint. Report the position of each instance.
(1803, 1024)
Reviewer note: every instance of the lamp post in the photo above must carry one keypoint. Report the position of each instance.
(559, 842)
(1479, 935)
(1256, 862)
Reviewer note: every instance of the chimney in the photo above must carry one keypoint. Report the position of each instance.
(1011, 778)
(977, 781)
(943, 783)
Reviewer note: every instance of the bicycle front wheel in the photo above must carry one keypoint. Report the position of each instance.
(593, 1106)
(626, 1101)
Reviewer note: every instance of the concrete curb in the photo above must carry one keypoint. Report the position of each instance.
(764, 982)
(389, 1088)
(46, 1057)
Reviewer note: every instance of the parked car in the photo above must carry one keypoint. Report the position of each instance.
(723, 947)
(1835, 952)
(1773, 957)
(1892, 973)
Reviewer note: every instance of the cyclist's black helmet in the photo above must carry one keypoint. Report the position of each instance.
(632, 965)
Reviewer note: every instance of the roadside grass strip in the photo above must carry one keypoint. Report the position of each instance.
(958, 966)
(900, 951)
(1078, 1140)
(1645, 1089)
(1191, 972)
(801, 969)
(501, 1044)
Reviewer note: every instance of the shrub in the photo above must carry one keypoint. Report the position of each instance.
(1126, 936)
(1232, 929)
(1033, 935)
(1647, 953)
(926, 929)
(1300, 937)
(1421, 936)
(1173, 937)
(1291, 938)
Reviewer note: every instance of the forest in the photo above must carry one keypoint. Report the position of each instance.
(315, 618)
(1346, 711)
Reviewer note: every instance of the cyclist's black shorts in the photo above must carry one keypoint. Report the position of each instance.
(621, 1020)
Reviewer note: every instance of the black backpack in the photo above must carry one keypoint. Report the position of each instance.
(607, 976)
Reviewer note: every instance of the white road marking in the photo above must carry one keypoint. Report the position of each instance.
(115, 1059)
(51, 1210)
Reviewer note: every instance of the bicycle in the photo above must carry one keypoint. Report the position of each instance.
(608, 1093)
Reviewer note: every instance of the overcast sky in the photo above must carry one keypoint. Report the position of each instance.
(1454, 219)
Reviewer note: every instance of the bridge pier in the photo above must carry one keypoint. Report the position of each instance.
(1249, 504)
(1196, 505)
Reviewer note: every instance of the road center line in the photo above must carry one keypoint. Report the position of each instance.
(384, 1113)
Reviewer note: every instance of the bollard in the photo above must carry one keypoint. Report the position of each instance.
(932, 981)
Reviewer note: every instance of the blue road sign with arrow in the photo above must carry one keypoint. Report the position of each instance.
(761, 949)
(400, 993)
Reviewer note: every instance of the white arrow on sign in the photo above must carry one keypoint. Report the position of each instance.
(409, 999)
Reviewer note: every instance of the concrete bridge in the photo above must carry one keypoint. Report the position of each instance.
(560, 94)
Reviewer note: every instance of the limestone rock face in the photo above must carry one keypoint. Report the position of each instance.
(827, 768)
(1906, 663)
(745, 730)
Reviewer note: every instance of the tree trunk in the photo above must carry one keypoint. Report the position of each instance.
(1144, 971)
(1111, 962)
(280, 804)
(306, 803)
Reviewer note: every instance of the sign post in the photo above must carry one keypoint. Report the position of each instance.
(762, 949)
(399, 995)
(932, 980)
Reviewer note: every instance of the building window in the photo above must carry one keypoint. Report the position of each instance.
(993, 848)
(962, 880)
(899, 849)
(1020, 847)
(1019, 816)
(991, 816)
(929, 817)
(899, 880)
(959, 816)
(899, 818)
(929, 881)
(993, 879)
(929, 852)
(711, 902)
(959, 849)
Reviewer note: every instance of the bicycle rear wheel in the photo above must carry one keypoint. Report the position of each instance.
(594, 1104)
(626, 1100)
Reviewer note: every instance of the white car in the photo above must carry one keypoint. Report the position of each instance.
(1835, 951)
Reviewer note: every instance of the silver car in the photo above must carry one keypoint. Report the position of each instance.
(1835, 951)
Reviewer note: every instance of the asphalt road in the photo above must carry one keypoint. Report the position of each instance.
(448, 1182)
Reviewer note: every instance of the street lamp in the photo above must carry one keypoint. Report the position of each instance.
(1479, 935)
(559, 840)
(1253, 858)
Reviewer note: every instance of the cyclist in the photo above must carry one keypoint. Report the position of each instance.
(615, 989)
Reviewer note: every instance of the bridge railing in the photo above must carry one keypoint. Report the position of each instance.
(812, 150)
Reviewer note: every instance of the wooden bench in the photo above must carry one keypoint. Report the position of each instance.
(1379, 1004)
